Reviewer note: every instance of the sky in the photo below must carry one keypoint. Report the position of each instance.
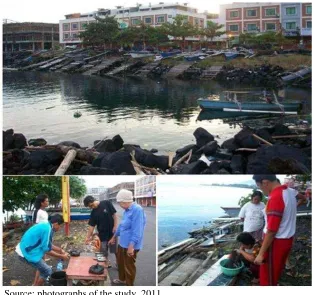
(108, 181)
(205, 179)
(53, 11)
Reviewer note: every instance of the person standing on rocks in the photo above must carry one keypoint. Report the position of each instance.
(104, 217)
(36, 242)
(279, 230)
(253, 217)
(130, 232)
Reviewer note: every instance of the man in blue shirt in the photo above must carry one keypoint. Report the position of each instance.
(130, 232)
(36, 242)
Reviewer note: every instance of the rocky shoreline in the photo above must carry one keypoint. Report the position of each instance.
(277, 149)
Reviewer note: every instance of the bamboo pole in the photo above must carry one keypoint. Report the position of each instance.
(262, 139)
(171, 156)
(182, 159)
(289, 136)
(66, 162)
(245, 150)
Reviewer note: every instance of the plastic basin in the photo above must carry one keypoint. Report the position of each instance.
(230, 272)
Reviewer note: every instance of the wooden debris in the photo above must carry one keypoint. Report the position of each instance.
(187, 157)
(289, 136)
(262, 139)
(66, 162)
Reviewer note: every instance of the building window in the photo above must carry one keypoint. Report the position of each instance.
(308, 9)
(291, 11)
(66, 27)
(160, 19)
(75, 36)
(234, 14)
(74, 26)
(170, 16)
(309, 24)
(83, 26)
(291, 26)
(251, 12)
(270, 11)
(148, 20)
(252, 27)
(270, 27)
(234, 28)
(136, 21)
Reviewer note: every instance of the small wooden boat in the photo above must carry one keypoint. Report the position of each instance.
(265, 104)
(141, 54)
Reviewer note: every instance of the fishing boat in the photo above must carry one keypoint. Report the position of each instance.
(76, 213)
(170, 53)
(195, 56)
(141, 54)
(231, 102)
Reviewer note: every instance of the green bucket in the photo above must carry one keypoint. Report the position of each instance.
(230, 272)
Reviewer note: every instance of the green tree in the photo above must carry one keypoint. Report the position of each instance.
(245, 199)
(180, 28)
(100, 33)
(20, 192)
(212, 30)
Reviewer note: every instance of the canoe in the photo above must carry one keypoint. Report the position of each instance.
(248, 106)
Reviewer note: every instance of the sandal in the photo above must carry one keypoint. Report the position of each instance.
(117, 281)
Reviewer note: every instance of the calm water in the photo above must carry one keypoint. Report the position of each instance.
(153, 114)
(185, 207)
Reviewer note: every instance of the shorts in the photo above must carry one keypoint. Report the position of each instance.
(105, 248)
(44, 269)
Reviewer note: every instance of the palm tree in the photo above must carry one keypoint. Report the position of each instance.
(212, 30)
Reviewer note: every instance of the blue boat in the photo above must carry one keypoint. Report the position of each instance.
(264, 105)
(76, 213)
(170, 53)
(195, 57)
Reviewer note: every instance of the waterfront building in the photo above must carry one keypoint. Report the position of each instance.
(145, 191)
(153, 15)
(292, 19)
(113, 191)
(29, 36)
(99, 193)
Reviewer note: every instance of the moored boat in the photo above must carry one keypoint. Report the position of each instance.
(263, 105)
(141, 54)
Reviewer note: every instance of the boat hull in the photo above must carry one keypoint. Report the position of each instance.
(207, 104)
(141, 55)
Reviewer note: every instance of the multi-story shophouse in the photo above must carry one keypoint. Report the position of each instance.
(145, 191)
(293, 19)
(153, 15)
(29, 36)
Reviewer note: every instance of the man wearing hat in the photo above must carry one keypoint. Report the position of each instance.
(280, 225)
(130, 232)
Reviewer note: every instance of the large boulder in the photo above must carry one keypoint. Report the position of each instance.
(43, 158)
(230, 145)
(118, 142)
(20, 141)
(184, 150)
(209, 148)
(87, 170)
(202, 137)
(119, 162)
(280, 129)
(267, 159)
(191, 168)
(238, 164)
(245, 139)
(105, 146)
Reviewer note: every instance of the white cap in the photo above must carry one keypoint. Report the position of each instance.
(124, 196)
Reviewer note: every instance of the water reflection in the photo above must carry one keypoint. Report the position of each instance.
(162, 114)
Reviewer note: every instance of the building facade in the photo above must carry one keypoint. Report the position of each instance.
(29, 36)
(112, 192)
(145, 191)
(153, 15)
(292, 19)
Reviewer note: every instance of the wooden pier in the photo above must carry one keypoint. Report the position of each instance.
(122, 68)
(178, 70)
(103, 66)
(211, 73)
(53, 63)
(145, 70)
(37, 65)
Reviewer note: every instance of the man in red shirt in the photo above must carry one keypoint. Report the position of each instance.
(280, 224)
